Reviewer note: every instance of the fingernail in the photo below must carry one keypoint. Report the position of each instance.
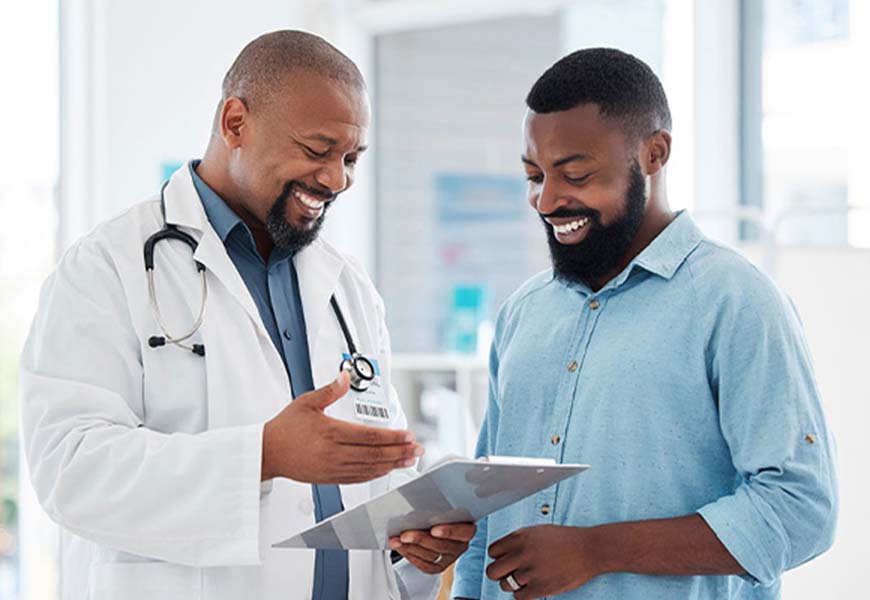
(409, 437)
(409, 462)
(407, 539)
(395, 544)
(439, 532)
(419, 451)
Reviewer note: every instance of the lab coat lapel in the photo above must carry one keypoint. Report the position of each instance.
(318, 268)
(184, 209)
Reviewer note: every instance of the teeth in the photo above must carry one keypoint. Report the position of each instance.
(572, 226)
(309, 201)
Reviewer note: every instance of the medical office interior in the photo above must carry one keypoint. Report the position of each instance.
(102, 99)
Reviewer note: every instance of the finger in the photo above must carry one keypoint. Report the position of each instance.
(355, 434)
(423, 539)
(460, 532)
(503, 546)
(363, 473)
(379, 454)
(326, 395)
(504, 566)
(423, 565)
(521, 578)
(422, 553)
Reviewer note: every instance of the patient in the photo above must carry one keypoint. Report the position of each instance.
(665, 360)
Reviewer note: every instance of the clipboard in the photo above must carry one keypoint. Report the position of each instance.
(456, 491)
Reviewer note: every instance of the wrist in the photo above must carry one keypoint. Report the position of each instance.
(267, 468)
(607, 554)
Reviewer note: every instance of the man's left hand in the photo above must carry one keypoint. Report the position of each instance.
(544, 560)
(434, 550)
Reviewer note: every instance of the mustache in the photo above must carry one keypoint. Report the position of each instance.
(593, 215)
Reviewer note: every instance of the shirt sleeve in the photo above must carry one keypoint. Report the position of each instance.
(469, 573)
(783, 512)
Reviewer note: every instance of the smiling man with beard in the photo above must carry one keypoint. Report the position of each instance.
(665, 360)
(174, 464)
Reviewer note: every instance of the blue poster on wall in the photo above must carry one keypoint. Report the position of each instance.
(484, 228)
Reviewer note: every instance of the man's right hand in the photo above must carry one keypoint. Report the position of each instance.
(303, 444)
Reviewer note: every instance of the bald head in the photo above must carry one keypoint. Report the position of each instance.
(263, 69)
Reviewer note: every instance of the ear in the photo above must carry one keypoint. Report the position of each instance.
(233, 118)
(656, 152)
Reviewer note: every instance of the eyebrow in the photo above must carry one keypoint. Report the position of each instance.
(332, 141)
(561, 161)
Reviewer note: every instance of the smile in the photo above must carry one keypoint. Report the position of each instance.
(572, 226)
(308, 200)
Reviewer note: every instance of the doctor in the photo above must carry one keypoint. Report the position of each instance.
(172, 462)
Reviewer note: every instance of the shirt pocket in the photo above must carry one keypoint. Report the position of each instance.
(144, 581)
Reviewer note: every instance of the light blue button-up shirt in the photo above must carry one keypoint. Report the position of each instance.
(686, 383)
(274, 287)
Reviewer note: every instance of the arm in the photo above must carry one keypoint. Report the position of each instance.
(678, 546)
(97, 471)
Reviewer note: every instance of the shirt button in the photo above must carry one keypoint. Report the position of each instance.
(545, 510)
(572, 366)
(287, 335)
(594, 305)
(555, 439)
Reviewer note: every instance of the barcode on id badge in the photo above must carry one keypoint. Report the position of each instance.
(372, 411)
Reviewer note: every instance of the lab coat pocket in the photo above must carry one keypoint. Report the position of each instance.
(145, 580)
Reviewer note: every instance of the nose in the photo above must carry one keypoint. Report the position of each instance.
(334, 176)
(549, 197)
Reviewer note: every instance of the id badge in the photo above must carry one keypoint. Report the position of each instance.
(372, 404)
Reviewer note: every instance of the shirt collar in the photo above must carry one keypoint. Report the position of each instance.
(663, 256)
(222, 218)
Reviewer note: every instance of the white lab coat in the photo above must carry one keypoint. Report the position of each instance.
(149, 459)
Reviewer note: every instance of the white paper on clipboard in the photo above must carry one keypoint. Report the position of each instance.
(459, 490)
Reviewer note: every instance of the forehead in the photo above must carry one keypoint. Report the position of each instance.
(312, 105)
(580, 130)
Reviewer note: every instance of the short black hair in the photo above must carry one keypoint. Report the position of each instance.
(623, 86)
(260, 71)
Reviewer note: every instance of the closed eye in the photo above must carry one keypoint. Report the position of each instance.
(314, 153)
(578, 180)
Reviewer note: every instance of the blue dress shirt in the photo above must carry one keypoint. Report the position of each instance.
(275, 289)
(686, 383)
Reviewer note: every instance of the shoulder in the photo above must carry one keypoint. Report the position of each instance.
(106, 244)
(734, 292)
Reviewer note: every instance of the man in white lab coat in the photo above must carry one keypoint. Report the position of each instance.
(173, 464)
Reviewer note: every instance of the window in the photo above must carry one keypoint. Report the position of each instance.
(798, 131)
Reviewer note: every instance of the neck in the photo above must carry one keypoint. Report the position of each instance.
(214, 171)
(657, 217)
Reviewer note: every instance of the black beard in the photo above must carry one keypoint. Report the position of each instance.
(285, 234)
(604, 245)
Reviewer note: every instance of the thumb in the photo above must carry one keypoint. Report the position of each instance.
(326, 395)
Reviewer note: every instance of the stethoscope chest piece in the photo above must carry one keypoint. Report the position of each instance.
(361, 371)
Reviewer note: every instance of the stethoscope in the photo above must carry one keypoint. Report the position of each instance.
(360, 368)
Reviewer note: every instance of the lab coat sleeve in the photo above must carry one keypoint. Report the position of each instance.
(784, 511)
(468, 577)
(191, 499)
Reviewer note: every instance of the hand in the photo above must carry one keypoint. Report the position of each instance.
(442, 543)
(545, 560)
(303, 444)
